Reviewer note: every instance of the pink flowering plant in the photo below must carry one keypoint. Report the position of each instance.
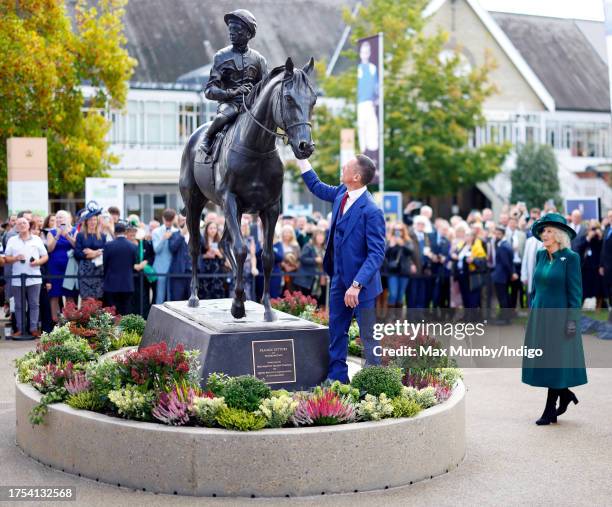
(322, 409)
(294, 303)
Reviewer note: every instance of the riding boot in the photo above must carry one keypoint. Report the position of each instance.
(550, 411)
(565, 398)
(217, 124)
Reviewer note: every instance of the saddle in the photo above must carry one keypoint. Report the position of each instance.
(203, 158)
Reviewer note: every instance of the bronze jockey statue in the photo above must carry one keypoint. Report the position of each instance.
(235, 70)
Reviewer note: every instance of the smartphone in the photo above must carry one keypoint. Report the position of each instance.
(214, 246)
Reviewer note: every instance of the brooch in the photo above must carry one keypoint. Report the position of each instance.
(563, 258)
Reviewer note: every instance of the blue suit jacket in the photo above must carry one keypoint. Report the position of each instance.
(181, 261)
(363, 242)
(504, 267)
(119, 258)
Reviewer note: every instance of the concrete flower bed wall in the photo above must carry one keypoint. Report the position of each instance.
(268, 463)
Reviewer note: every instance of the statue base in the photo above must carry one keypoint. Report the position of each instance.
(289, 353)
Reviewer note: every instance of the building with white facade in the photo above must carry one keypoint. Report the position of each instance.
(551, 76)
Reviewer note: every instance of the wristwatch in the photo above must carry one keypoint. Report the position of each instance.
(357, 285)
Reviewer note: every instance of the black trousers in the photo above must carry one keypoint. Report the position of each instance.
(501, 291)
(516, 289)
(122, 301)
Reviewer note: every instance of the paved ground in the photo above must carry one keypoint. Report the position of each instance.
(509, 461)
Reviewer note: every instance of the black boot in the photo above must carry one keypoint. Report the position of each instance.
(550, 411)
(565, 398)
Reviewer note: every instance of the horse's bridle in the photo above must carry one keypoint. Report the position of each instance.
(284, 136)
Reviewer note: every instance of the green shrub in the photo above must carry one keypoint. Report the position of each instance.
(206, 410)
(104, 376)
(277, 410)
(73, 349)
(215, 383)
(374, 408)
(240, 420)
(245, 392)
(376, 380)
(355, 349)
(403, 407)
(27, 366)
(425, 397)
(132, 403)
(133, 324)
(59, 334)
(85, 400)
(345, 390)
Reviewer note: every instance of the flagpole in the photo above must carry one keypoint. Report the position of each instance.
(381, 115)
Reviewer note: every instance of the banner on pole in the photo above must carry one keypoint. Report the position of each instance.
(369, 100)
(27, 175)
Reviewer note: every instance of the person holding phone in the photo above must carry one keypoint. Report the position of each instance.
(212, 262)
(27, 253)
(88, 250)
(60, 242)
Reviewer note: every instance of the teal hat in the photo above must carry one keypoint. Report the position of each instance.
(552, 220)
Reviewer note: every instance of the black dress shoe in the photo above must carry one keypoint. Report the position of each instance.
(565, 399)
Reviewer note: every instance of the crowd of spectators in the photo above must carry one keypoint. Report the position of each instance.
(476, 262)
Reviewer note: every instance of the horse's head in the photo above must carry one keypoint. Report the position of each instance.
(297, 102)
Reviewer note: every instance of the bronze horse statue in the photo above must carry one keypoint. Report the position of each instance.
(248, 174)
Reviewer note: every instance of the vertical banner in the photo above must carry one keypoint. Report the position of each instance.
(27, 176)
(370, 102)
(347, 146)
(608, 29)
(105, 191)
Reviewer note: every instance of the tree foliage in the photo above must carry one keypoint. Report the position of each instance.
(535, 178)
(45, 61)
(431, 107)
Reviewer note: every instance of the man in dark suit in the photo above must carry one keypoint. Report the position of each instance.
(353, 257)
(120, 257)
(605, 263)
(580, 229)
(180, 263)
(440, 248)
(503, 273)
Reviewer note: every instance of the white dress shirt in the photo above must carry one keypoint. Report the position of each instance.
(305, 166)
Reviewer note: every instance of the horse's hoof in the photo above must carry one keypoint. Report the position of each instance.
(238, 310)
(270, 316)
(193, 302)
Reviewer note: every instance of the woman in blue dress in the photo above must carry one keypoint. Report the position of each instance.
(88, 250)
(60, 241)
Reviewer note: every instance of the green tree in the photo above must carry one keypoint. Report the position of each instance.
(431, 106)
(535, 178)
(45, 61)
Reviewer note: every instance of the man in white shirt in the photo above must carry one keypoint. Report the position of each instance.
(27, 253)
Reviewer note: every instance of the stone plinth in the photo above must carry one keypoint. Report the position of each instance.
(289, 353)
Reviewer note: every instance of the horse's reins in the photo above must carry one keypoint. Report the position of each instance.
(284, 136)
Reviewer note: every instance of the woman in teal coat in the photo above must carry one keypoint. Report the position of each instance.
(554, 318)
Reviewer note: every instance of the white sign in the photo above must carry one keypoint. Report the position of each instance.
(28, 188)
(105, 191)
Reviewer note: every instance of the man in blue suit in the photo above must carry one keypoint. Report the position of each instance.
(353, 257)
(503, 273)
(120, 257)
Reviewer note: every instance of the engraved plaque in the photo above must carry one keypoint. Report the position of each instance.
(274, 361)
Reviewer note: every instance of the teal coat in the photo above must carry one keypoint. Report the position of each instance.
(556, 298)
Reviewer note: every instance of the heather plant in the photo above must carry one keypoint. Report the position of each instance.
(240, 420)
(323, 409)
(277, 410)
(443, 392)
(49, 379)
(425, 397)
(376, 380)
(132, 403)
(132, 323)
(206, 409)
(374, 408)
(245, 392)
(404, 407)
(174, 407)
(77, 383)
(85, 400)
